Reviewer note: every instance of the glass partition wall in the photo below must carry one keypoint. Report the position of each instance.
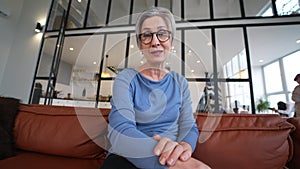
(219, 47)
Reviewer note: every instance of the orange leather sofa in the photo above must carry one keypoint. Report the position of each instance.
(58, 137)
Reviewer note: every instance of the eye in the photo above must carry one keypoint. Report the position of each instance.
(147, 35)
(162, 32)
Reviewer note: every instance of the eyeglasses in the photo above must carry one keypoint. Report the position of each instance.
(162, 36)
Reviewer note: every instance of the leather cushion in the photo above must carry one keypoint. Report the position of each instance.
(8, 112)
(61, 130)
(33, 160)
(235, 141)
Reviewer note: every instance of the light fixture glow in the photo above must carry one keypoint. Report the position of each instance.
(105, 74)
(94, 62)
(71, 49)
(298, 41)
(260, 61)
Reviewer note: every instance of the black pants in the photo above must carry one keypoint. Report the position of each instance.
(114, 161)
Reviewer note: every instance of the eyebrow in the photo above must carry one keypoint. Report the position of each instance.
(159, 27)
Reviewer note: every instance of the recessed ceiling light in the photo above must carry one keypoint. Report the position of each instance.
(298, 41)
(192, 70)
(260, 61)
(94, 62)
(198, 61)
(71, 49)
(79, 1)
(131, 46)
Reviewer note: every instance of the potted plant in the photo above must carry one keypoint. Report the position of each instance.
(262, 105)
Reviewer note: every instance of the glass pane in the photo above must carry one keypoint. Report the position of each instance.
(176, 9)
(273, 78)
(232, 96)
(288, 7)
(135, 57)
(77, 14)
(196, 10)
(83, 54)
(97, 13)
(115, 48)
(119, 13)
(231, 55)
(105, 94)
(291, 68)
(227, 8)
(198, 53)
(274, 99)
(140, 6)
(46, 57)
(236, 97)
(258, 8)
(266, 48)
(197, 96)
(165, 3)
(174, 61)
(56, 14)
(39, 91)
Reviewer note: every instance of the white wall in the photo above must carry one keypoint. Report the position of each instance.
(258, 83)
(8, 27)
(19, 45)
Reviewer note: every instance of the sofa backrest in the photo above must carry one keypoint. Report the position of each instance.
(60, 130)
(235, 141)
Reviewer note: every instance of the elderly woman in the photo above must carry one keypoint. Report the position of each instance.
(151, 124)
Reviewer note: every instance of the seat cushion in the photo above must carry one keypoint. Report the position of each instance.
(61, 130)
(33, 160)
(235, 141)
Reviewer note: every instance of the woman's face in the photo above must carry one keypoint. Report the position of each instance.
(155, 51)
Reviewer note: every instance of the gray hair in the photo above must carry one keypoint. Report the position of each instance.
(155, 11)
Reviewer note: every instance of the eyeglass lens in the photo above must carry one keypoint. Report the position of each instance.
(162, 36)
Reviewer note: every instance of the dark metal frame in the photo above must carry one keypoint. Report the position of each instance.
(212, 28)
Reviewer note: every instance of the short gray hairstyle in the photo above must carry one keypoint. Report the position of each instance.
(155, 11)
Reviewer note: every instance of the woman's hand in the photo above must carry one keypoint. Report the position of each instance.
(170, 151)
(191, 163)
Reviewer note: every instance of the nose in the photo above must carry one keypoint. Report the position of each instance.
(155, 42)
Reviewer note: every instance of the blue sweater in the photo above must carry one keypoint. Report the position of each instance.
(142, 108)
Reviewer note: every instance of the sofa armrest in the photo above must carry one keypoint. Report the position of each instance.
(295, 162)
(61, 130)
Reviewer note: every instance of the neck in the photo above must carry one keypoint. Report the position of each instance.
(153, 73)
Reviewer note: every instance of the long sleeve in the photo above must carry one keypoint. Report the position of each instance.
(125, 138)
(188, 131)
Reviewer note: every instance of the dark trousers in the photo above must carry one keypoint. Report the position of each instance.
(114, 161)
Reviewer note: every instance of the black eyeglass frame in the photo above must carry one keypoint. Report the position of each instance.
(156, 33)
